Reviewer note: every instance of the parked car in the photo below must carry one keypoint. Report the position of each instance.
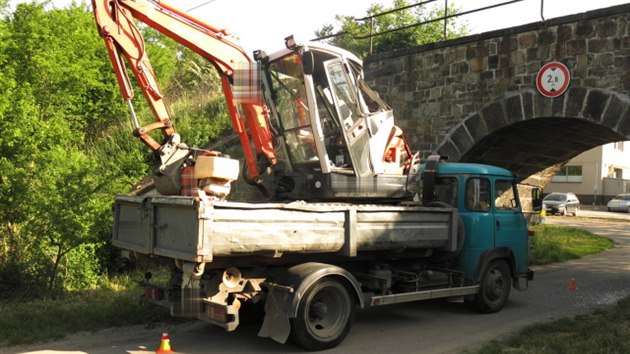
(561, 203)
(621, 202)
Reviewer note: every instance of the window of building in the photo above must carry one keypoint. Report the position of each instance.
(568, 174)
(619, 145)
(618, 173)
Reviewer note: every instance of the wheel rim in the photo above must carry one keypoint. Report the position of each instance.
(495, 285)
(328, 312)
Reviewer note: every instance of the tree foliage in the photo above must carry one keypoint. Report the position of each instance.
(66, 147)
(385, 30)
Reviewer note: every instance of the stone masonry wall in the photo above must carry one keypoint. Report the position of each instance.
(435, 87)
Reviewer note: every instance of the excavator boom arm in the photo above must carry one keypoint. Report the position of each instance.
(114, 19)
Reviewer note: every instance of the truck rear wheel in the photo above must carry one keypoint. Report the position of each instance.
(495, 286)
(325, 315)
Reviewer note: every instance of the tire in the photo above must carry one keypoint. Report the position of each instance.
(494, 287)
(325, 315)
(563, 212)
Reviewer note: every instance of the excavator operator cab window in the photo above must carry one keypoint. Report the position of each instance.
(351, 118)
(369, 99)
(287, 85)
(337, 154)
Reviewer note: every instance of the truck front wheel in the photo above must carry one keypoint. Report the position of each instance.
(494, 288)
(325, 315)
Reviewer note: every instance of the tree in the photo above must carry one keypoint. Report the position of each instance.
(67, 147)
(54, 101)
(69, 202)
(4, 5)
(385, 30)
(198, 105)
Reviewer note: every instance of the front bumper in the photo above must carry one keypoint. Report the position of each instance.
(555, 209)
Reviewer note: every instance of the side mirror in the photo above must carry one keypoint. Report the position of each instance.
(308, 62)
(537, 199)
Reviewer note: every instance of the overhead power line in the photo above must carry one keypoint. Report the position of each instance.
(201, 5)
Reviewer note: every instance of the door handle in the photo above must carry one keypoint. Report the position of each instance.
(498, 225)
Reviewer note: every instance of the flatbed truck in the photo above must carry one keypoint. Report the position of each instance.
(311, 265)
(351, 218)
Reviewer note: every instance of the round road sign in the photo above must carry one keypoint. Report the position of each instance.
(553, 79)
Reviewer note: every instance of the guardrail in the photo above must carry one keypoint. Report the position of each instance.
(445, 19)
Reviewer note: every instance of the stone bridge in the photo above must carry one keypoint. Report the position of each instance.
(475, 99)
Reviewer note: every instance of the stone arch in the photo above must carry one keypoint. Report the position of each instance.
(526, 132)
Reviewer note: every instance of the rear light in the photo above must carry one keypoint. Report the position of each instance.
(153, 293)
(225, 316)
(217, 313)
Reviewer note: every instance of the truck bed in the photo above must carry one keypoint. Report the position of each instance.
(191, 229)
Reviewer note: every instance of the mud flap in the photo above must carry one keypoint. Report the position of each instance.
(276, 324)
(286, 290)
(527, 277)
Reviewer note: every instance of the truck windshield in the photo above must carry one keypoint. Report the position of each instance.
(505, 195)
(556, 197)
(289, 95)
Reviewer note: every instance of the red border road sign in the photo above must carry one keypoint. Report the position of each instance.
(553, 79)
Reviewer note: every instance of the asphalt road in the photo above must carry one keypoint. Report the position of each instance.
(424, 327)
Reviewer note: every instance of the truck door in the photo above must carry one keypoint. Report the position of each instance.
(475, 210)
(479, 221)
(509, 224)
(478, 215)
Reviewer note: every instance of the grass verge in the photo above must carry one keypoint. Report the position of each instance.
(115, 303)
(603, 331)
(553, 244)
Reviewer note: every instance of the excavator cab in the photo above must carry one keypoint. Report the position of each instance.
(337, 135)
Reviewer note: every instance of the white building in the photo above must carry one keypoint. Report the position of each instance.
(596, 175)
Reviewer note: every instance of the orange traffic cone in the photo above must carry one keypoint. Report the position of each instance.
(572, 284)
(165, 344)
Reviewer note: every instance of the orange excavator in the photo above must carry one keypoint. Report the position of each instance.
(309, 126)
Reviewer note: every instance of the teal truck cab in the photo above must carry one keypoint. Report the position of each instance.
(496, 241)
